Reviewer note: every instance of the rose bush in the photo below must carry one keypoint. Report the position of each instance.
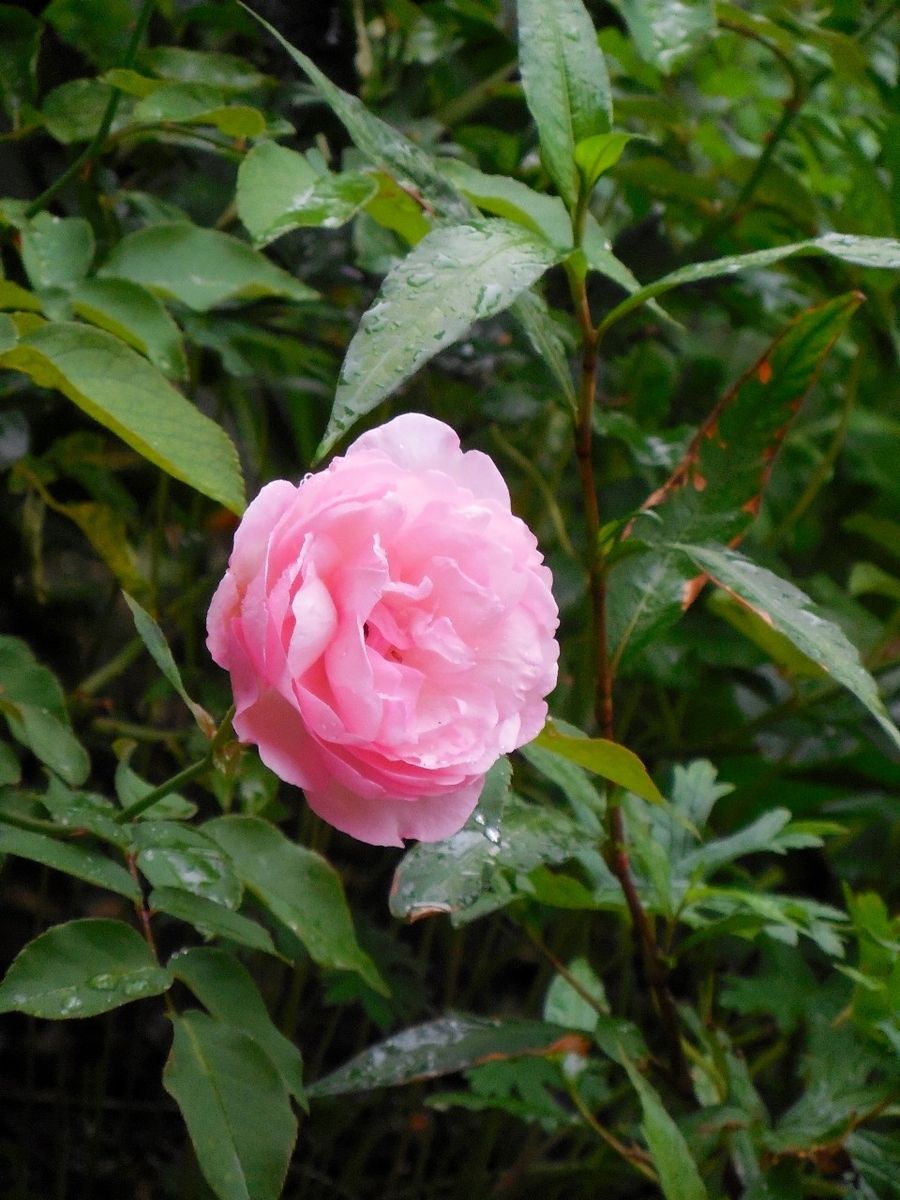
(389, 629)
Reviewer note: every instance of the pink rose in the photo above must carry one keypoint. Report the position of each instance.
(389, 629)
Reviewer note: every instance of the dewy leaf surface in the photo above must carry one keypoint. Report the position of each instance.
(236, 1107)
(790, 611)
(124, 392)
(565, 81)
(665, 32)
(455, 276)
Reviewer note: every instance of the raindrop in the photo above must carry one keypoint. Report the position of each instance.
(103, 982)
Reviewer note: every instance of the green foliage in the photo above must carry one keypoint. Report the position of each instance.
(644, 254)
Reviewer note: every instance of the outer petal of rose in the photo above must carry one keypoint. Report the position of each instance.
(251, 538)
(222, 609)
(388, 822)
(284, 745)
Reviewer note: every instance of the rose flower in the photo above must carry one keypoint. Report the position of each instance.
(389, 629)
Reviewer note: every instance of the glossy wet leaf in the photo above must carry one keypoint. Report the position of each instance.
(565, 81)
(450, 1043)
(236, 1107)
(212, 68)
(80, 969)
(86, 810)
(211, 919)
(136, 316)
(502, 196)
(129, 396)
(69, 857)
(56, 251)
(279, 190)
(597, 154)
(666, 32)
(198, 104)
(202, 268)
(568, 1006)
(792, 613)
(171, 854)
(47, 735)
(299, 888)
(452, 278)
(226, 989)
(532, 313)
(154, 639)
(608, 759)
(880, 252)
(679, 1178)
(131, 787)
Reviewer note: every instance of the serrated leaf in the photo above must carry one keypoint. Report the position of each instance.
(877, 252)
(236, 1107)
(211, 919)
(134, 315)
(299, 888)
(202, 268)
(128, 395)
(69, 857)
(155, 641)
(679, 1178)
(565, 81)
(278, 190)
(454, 277)
(225, 987)
(792, 613)
(665, 34)
(80, 969)
(450, 1043)
(608, 759)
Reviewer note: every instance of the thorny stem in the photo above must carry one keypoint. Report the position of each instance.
(87, 156)
(655, 968)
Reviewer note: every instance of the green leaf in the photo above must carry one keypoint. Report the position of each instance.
(225, 71)
(532, 313)
(9, 334)
(56, 251)
(198, 104)
(236, 1107)
(20, 36)
(774, 645)
(665, 34)
(679, 1178)
(608, 759)
(791, 612)
(10, 768)
(502, 196)
(131, 787)
(878, 252)
(450, 1043)
(155, 641)
(81, 969)
(597, 154)
(73, 111)
(48, 737)
(565, 81)
(572, 780)
(447, 876)
(224, 987)
(299, 888)
(86, 810)
(211, 919)
(12, 295)
(71, 858)
(202, 268)
(179, 856)
(278, 190)
(566, 1005)
(454, 277)
(134, 315)
(378, 141)
(128, 395)
(100, 29)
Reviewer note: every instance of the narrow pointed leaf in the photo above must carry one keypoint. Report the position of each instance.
(450, 1043)
(211, 919)
(791, 612)
(154, 639)
(81, 969)
(89, 865)
(134, 315)
(565, 81)
(454, 277)
(117, 387)
(236, 1107)
(665, 34)
(679, 1178)
(616, 763)
(535, 318)
(299, 888)
(225, 987)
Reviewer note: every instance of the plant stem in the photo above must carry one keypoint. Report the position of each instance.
(634, 1157)
(89, 153)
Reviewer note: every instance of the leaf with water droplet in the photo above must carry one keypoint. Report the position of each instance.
(454, 276)
(80, 969)
(80, 861)
(174, 855)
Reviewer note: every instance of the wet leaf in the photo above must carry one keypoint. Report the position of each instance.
(80, 969)
(69, 857)
(450, 1043)
(664, 32)
(134, 315)
(454, 277)
(608, 759)
(154, 639)
(211, 919)
(56, 251)
(679, 1178)
(172, 855)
